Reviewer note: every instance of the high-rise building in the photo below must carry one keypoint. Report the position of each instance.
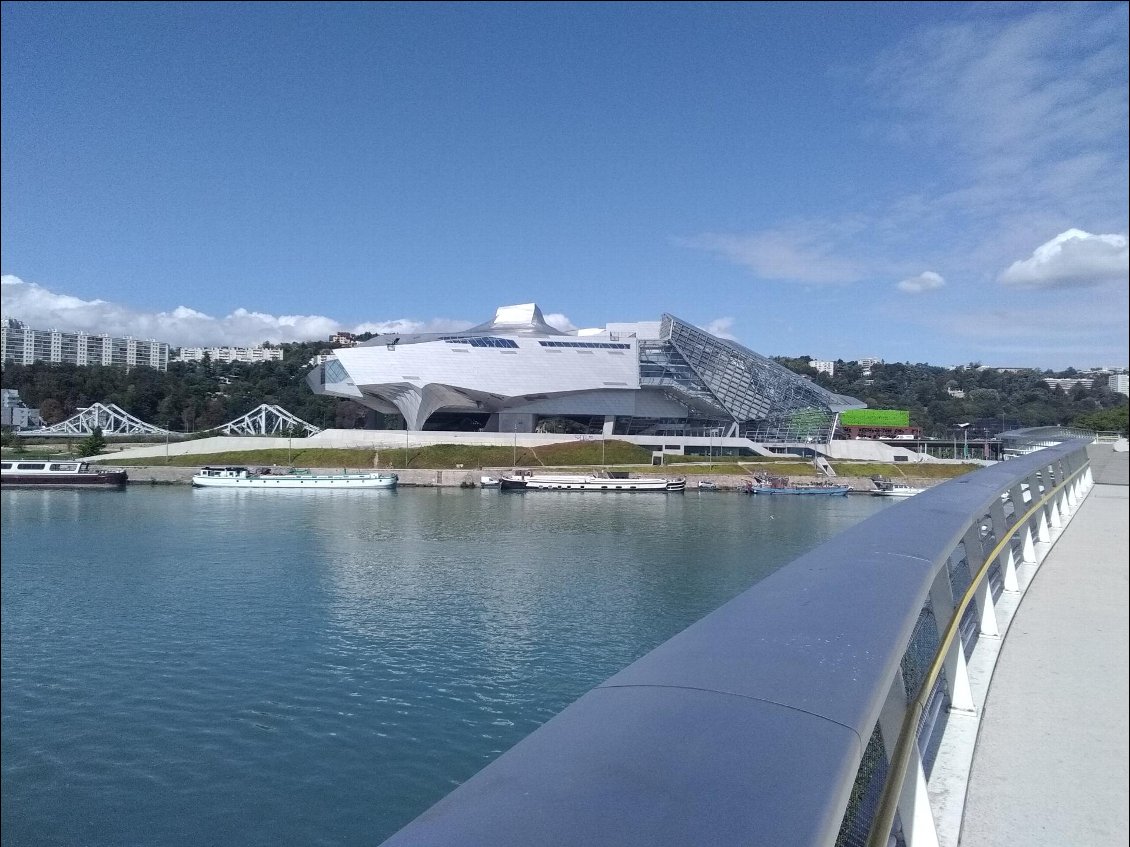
(24, 345)
(1119, 383)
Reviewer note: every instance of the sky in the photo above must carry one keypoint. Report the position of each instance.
(918, 182)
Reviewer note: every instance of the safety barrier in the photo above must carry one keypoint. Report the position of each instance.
(817, 708)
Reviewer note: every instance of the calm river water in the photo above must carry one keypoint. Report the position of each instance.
(189, 667)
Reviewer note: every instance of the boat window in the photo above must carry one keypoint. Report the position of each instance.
(30, 466)
(65, 468)
(6, 466)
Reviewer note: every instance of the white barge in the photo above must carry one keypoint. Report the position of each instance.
(240, 477)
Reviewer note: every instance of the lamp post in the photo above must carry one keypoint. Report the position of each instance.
(406, 443)
(964, 427)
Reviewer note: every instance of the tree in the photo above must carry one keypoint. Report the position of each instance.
(51, 410)
(93, 444)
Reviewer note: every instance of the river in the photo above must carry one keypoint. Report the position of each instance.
(186, 667)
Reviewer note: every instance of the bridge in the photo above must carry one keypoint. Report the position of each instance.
(265, 419)
(846, 699)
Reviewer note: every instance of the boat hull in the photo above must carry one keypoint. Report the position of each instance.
(62, 480)
(817, 491)
(579, 483)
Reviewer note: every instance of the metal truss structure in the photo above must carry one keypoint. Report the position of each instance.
(267, 420)
(113, 420)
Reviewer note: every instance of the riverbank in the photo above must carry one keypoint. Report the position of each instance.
(461, 478)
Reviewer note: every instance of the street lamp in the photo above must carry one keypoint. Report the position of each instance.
(964, 427)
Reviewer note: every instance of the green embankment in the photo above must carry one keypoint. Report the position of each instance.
(579, 454)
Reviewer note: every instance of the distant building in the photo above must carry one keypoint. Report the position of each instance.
(1118, 382)
(823, 366)
(1068, 383)
(956, 393)
(15, 413)
(344, 339)
(867, 363)
(321, 358)
(230, 354)
(25, 346)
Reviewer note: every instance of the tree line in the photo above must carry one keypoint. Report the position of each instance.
(939, 399)
(198, 396)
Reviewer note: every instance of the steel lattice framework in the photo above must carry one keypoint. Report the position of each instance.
(113, 420)
(267, 420)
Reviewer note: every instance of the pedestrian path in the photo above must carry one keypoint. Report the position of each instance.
(1050, 768)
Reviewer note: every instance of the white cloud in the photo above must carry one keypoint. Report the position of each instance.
(792, 254)
(722, 327)
(1073, 259)
(925, 281)
(41, 308)
(559, 321)
(404, 326)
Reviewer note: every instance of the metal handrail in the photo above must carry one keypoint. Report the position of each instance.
(900, 757)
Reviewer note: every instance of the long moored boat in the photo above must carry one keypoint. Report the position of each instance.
(240, 477)
(781, 485)
(588, 482)
(48, 473)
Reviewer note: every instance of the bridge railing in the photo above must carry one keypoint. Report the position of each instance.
(814, 709)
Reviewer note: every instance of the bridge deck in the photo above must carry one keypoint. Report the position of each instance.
(1050, 767)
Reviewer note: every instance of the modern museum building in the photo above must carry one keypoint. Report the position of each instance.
(516, 373)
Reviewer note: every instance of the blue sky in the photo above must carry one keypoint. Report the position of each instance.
(940, 183)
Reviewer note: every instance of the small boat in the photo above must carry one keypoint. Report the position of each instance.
(263, 478)
(708, 485)
(53, 473)
(489, 482)
(890, 488)
(781, 485)
(525, 481)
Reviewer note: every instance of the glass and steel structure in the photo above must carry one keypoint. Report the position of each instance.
(728, 385)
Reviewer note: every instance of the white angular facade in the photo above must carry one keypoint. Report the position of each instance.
(516, 372)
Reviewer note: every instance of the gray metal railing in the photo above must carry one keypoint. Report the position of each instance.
(809, 710)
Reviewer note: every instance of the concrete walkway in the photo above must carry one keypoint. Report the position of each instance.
(1050, 768)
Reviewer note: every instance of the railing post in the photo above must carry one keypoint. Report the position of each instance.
(1028, 554)
(1043, 532)
(957, 673)
(918, 827)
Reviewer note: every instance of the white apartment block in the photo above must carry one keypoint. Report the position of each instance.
(867, 363)
(823, 366)
(230, 354)
(25, 346)
(1067, 383)
(1119, 383)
